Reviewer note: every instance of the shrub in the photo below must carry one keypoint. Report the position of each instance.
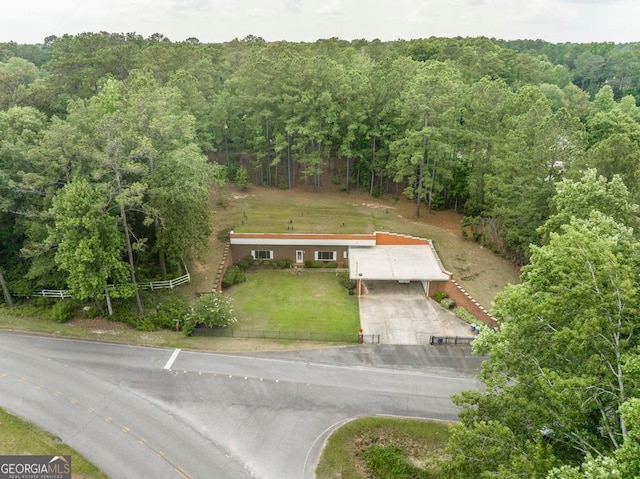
(284, 263)
(169, 309)
(233, 275)
(211, 310)
(440, 295)
(62, 311)
(245, 262)
(465, 315)
(345, 282)
(447, 303)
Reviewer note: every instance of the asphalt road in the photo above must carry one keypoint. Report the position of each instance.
(140, 412)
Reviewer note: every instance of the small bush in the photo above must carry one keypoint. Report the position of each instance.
(211, 310)
(62, 311)
(440, 295)
(233, 275)
(284, 263)
(331, 265)
(465, 315)
(447, 303)
(245, 262)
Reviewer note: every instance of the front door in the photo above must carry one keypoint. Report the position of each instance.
(299, 256)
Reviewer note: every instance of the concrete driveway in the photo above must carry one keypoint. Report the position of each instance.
(403, 314)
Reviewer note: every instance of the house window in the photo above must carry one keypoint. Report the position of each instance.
(262, 254)
(326, 255)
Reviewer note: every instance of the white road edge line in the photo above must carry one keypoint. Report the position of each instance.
(172, 359)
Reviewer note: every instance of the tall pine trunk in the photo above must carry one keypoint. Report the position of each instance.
(125, 225)
(5, 291)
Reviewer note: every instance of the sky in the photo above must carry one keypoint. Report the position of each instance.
(214, 21)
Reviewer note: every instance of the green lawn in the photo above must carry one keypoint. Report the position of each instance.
(278, 300)
(21, 438)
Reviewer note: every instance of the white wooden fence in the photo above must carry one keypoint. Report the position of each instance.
(152, 285)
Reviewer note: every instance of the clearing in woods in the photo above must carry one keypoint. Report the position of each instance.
(477, 269)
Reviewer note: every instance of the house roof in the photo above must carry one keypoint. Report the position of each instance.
(302, 239)
(396, 262)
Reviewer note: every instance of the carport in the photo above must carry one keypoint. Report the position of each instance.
(401, 263)
(393, 285)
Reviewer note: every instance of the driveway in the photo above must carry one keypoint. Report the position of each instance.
(402, 314)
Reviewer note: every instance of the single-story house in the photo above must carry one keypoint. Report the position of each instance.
(378, 256)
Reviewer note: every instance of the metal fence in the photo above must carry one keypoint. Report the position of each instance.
(321, 336)
(446, 340)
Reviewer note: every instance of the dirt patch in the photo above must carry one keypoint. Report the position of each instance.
(98, 325)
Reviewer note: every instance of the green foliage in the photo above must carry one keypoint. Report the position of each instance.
(390, 463)
(161, 309)
(465, 315)
(211, 310)
(439, 296)
(245, 263)
(562, 360)
(345, 282)
(284, 263)
(62, 311)
(311, 264)
(242, 178)
(233, 275)
(447, 303)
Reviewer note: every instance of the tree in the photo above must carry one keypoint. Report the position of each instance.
(430, 108)
(88, 244)
(557, 374)
(578, 199)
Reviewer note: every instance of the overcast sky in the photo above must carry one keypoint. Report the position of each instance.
(30, 21)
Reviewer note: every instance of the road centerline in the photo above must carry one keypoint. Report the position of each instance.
(172, 359)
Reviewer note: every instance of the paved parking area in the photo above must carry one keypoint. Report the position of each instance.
(402, 314)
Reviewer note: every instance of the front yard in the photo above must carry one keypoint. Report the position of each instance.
(285, 300)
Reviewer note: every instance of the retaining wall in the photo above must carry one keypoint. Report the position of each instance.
(227, 260)
(464, 299)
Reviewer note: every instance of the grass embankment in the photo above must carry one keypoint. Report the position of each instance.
(21, 438)
(282, 300)
(384, 448)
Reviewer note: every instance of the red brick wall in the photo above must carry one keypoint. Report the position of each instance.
(227, 260)
(464, 299)
(391, 239)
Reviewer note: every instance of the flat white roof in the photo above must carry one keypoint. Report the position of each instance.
(400, 263)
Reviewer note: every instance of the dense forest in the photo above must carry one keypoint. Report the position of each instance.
(110, 143)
